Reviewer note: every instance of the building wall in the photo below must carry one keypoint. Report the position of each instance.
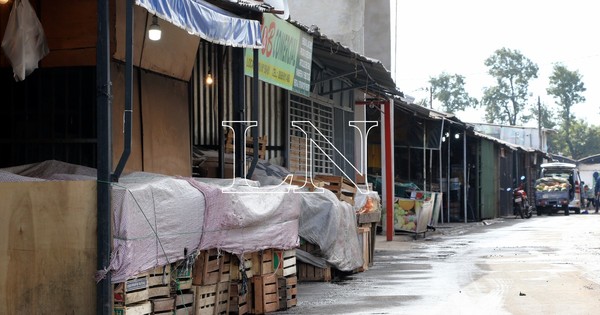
(377, 31)
(340, 20)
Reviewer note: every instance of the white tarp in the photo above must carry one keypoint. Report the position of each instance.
(242, 219)
(24, 42)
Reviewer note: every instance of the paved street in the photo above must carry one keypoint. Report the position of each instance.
(544, 265)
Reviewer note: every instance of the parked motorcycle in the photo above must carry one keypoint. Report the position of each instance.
(521, 205)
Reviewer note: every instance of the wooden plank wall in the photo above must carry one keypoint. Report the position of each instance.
(48, 247)
(161, 125)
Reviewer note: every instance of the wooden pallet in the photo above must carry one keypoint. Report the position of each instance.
(262, 145)
(240, 303)
(266, 296)
(159, 282)
(212, 299)
(143, 308)
(133, 290)
(285, 262)
(211, 267)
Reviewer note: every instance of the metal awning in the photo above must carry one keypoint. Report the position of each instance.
(343, 63)
(208, 21)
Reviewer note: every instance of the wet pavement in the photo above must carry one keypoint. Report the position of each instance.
(544, 265)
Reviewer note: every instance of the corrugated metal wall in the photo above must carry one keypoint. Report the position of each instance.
(488, 183)
(206, 125)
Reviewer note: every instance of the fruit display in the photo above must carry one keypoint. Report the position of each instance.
(547, 184)
(405, 216)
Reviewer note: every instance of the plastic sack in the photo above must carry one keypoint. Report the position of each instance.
(24, 42)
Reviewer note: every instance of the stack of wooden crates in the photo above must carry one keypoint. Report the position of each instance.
(215, 282)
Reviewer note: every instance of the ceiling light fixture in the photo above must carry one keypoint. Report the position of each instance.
(154, 32)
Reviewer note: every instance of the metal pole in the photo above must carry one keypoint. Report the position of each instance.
(103, 116)
(127, 128)
(388, 116)
(465, 184)
(254, 113)
(448, 177)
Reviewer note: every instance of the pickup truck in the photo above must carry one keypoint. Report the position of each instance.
(551, 194)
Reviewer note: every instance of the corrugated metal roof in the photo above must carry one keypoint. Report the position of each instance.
(255, 5)
(363, 72)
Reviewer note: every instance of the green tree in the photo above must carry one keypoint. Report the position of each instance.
(585, 140)
(450, 91)
(505, 102)
(566, 87)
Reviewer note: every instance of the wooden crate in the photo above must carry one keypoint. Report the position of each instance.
(240, 303)
(163, 305)
(212, 299)
(184, 303)
(364, 241)
(238, 268)
(308, 272)
(211, 267)
(143, 308)
(297, 158)
(285, 262)
(182, 276)
(262, 262)
(262, 145)
(340, 186)
(132, 291)
(159, 282)
(266, 295)
(288, 290)
(303, 181)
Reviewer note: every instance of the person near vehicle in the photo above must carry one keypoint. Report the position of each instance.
(589, 196)
(596, 191)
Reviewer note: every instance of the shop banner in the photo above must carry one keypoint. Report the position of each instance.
(286, 57)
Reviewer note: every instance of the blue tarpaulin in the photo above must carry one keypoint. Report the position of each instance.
(207, 21)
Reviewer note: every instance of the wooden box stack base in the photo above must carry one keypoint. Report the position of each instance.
(159, 282)
(133, 290)
(240, 299)
(211, 267)
(212, 299)
(364, 241)
(184, 303)
(143, 308)
(266, 295)
(307, 272)
(163, 306)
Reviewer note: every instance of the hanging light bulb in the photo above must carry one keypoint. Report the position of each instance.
(457, 136)
(3, 1)
(209, 79)
(154, 32)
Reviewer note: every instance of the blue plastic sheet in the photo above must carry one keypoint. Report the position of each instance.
(207, 21)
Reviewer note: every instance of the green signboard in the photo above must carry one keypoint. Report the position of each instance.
(285, 60)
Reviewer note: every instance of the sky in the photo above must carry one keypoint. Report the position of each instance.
(435, 36)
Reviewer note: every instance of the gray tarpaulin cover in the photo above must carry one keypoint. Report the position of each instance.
(331, 224)
(157, 220)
